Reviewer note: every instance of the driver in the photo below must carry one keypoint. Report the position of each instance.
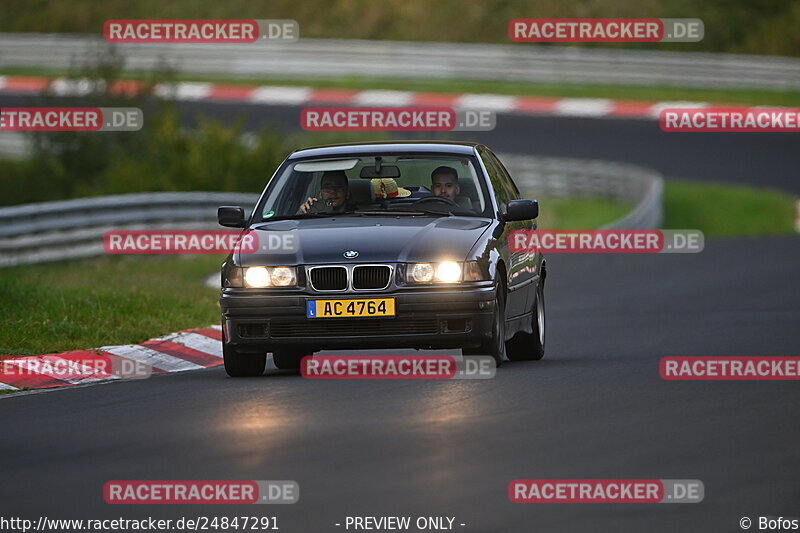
(444, 183)
(334, 194)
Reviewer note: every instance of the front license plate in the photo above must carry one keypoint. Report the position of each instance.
(367, 307)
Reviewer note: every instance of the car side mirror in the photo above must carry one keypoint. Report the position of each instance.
(231, 216)
(521, 210)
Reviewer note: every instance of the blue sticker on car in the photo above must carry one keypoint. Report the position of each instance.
(311, 309)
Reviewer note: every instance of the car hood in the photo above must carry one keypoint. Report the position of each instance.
(376, 239)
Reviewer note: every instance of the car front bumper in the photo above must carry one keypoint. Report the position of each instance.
(451, 317)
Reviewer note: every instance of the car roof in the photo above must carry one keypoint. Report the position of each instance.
(447, 147)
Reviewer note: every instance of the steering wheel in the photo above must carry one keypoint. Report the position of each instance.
(442, 199)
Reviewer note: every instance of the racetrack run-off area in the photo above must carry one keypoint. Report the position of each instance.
(177, 352)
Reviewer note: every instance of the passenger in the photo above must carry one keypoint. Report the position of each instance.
(333, 196)
(444, 183)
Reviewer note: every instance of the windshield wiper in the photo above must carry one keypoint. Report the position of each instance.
(381, 212)
(298, 216)
(445, 211)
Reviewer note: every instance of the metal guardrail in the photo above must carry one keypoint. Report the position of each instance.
(53, 231)
(336, 58)
(571, 178)
(70, 229)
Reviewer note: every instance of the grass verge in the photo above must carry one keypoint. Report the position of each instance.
(578, 213)
(727, 210)
(562, 90)
(110, 300)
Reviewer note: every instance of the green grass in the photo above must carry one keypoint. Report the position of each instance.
(727, 210)
(577, 213)
(746, 26)
(562, 90)
(111, 300)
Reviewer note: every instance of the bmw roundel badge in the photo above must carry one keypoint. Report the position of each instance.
(350, 254)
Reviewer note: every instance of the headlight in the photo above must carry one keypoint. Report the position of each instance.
(448, 272)
(256, 277)
(283, 277)
(420, 273)
(259, 277)
(444, 272)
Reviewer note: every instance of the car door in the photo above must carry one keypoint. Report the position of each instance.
(524, 263)
(515, 276)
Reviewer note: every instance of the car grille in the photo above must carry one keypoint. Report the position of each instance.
(371, 277)
(338, 327)
(329, 278)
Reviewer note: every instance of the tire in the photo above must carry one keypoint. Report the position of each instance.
(496, 346)
(530, 346)
(287, 359)
(242, 365)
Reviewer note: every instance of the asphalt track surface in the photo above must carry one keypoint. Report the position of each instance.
(594, 408)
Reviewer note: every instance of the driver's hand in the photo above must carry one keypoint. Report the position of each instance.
(307, 205)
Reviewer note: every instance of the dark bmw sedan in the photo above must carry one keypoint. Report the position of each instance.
(380, 246)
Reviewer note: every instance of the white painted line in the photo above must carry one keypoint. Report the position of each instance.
(267, 94)
(493, 102)
(216, 326)
(383, 98)
(3, 386)
(183, 91)
(2, 86)
(150, 357)
(584, 107)
(199, 342)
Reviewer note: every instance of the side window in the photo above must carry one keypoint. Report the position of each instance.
(500, 191)
(509, 185)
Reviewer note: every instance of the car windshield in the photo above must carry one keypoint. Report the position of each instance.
(374, 184)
